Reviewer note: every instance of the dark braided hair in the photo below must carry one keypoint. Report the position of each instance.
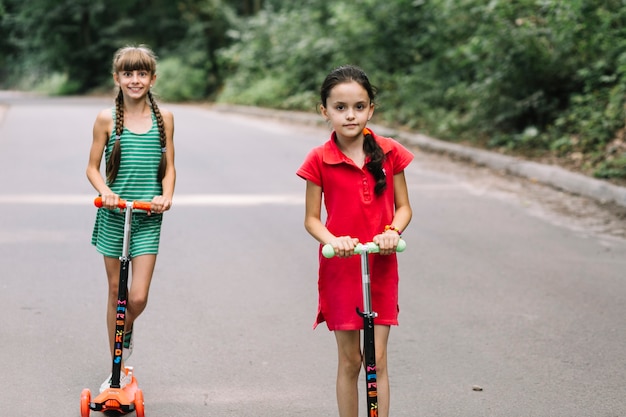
(133, 58)
(372, 149)
(161, 126)
(113, 163)
(375, 164)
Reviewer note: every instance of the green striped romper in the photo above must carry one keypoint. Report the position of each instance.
(136, 180)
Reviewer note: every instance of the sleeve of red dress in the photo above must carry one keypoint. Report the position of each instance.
(402, 158)
(310, 169)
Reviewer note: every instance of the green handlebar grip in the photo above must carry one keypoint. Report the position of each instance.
(328, 251)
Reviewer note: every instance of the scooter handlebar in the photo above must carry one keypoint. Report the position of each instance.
(135, 205)
(328, 251)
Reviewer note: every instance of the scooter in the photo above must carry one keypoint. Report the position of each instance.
(130, 398)
(369, 351)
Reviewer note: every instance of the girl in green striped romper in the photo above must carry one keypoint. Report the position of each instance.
(136, 139)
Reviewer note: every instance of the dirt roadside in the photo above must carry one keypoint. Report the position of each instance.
(583, 214)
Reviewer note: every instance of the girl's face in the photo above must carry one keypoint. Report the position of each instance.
(134, 84)
(348, 108)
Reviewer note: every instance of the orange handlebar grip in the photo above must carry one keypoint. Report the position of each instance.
(142, 205)
(139, 205)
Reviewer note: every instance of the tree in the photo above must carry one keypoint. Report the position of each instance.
(77, 38)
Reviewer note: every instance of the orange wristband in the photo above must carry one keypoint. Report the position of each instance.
(394, 228)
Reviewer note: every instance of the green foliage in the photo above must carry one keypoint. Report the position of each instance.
(77, 38)
(55, 84)
(538, 77)
(612, 168)
(531, 76)
(268, 49)
(178, 81)
(297, 46)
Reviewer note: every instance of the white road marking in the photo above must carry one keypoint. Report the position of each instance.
(179, 200)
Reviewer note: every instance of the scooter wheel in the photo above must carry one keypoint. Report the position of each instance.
(139, 410)
(85, 399)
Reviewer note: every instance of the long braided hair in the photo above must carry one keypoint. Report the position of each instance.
(132, 58)
(372, 149)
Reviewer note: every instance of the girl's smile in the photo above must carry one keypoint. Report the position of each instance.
(135, 83)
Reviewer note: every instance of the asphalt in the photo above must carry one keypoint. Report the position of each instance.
(551, 175)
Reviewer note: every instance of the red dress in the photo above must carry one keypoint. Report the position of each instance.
(354, 210)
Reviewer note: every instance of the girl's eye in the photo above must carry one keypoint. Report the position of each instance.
(340, 107)
(142, 74)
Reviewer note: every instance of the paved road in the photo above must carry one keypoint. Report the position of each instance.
(492, 295)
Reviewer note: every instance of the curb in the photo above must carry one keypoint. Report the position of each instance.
(551, 175)
(3, 110)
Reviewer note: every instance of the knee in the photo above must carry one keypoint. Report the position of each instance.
(350, 365)
(137, 302)
(381, 362)
(113, 293)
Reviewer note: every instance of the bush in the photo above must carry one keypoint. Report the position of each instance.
(180, 81)
(524, 76)
(615, 168)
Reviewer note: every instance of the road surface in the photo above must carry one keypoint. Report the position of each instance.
(498, 290)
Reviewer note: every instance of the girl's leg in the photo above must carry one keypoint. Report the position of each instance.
(142, 269)
(349, 365)
(381, 336)
(112, 266)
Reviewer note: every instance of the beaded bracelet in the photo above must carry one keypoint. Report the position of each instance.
(394, 228)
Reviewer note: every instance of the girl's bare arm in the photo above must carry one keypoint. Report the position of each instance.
(343, 245)
(101, 134)
(388, 240)
(164, 202)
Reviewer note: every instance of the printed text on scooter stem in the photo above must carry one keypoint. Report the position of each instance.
(119, 334)
(372, 388)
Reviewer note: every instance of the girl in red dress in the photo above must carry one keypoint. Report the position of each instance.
(360, 178)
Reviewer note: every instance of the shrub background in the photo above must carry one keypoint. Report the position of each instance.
(541, 78)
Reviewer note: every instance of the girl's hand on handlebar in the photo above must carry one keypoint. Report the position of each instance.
(387, 242)
(160, 204)
(344, 246)
(110, 201)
